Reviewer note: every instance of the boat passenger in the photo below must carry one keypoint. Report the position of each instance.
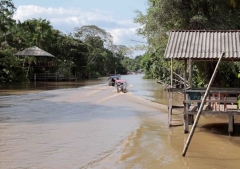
(113, 81)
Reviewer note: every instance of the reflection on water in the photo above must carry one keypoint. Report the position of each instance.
(87, 124)
(34, 87)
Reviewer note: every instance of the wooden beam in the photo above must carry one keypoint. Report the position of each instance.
(190, 71)
(161, 82)
(201, 106)
(185, 115)
(180, 77)
(211, 101)
(231, 125)
(170, 97)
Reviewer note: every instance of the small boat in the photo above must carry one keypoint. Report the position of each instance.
(121, 85)
(112, 79)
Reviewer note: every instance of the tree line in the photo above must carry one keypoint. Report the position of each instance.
(90, 49)
(87, 50)
(163, 15)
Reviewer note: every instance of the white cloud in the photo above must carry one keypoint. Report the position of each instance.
(66, 19)
(122, 35)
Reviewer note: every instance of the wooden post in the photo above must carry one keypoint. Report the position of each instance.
(171, 72)
(35, 77)
(57, 74)
(190, 71)
(185, 115)
(201, 106)
(75, 76)
(231, 125)
(169, 107)
(69, 75)
(170, 97)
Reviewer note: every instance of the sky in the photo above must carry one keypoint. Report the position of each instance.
(115, 17)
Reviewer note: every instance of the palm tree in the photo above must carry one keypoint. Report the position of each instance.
(6, 22)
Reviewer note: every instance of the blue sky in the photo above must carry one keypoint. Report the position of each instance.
(116, 17)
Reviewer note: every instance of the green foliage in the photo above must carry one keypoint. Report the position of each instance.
(99, 49)
(89, 50)
(163, 16)
(226, 75)
(10, 71)
(131, 64)
(6, 12)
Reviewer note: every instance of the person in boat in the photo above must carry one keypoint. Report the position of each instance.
(121, 86)
(113, 81)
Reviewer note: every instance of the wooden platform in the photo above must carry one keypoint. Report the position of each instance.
(220, 101)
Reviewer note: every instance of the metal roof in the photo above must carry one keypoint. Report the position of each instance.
(33, 51)
(203, 44)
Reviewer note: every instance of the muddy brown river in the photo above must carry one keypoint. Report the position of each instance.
(87, 124)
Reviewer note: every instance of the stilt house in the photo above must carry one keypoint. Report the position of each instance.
(190, 46)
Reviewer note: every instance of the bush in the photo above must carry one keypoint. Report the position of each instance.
(10, 71)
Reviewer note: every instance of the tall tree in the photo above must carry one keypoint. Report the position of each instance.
(38, 32)
(6, 21)
(163, 16)
(97, 40)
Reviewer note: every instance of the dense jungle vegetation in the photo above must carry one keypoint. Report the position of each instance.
(88, 50)
(164, 15)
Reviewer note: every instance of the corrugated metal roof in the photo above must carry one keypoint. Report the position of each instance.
(33, 51)
(201, 44)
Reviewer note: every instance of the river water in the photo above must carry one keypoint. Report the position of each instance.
(87, 124)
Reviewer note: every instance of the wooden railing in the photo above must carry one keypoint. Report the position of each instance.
(50, 77)
(218, 100)
(40, 64)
